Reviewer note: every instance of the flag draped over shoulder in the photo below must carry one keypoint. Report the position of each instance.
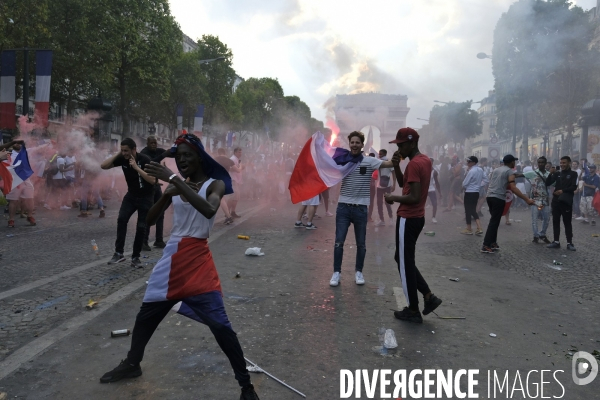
(15, 174)
(320, 166)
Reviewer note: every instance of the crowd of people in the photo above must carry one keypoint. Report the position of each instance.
(186, 277)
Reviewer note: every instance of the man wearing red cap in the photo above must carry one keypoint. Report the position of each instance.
(410, 222)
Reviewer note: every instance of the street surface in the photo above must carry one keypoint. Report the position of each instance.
(288, 319)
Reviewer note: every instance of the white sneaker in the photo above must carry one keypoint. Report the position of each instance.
(335, 279)
(380, 223)
(328, 214)
(359, 278)
(47, 207)
(434, 220)
(579, 218)
(64, 208)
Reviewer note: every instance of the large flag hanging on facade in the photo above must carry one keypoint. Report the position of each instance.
(43, 72)
(199, 120)
(179, 118)
(320, 166)
(15, 174)
(7, 90)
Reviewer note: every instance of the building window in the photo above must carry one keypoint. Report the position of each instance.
(492, 122)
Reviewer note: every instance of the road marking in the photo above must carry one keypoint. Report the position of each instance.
(37, 346)
(400, 300)
(76, 270)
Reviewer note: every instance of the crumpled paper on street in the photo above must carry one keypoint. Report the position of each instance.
(254, 251)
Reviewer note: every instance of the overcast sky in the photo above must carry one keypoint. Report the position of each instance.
(424, 49)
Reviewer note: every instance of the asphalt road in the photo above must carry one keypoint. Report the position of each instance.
(288, 319)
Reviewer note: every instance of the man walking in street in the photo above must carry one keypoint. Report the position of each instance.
(410, 223)
(539, 195)
(483, 164)
(353, 207)
(501, 178)
(472, 184)
(139, 197)
(434, 185)
(565, 182)
(230, 167)
(155, 154)
(591, 184)
(385, 184)
(236, 177)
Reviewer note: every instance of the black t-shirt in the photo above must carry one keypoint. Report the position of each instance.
(136, 185)
(156, 155)
(225, 162)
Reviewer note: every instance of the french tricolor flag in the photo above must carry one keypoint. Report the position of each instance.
(199, 119)
(320, 166)
(17, 173)
(7, 90)
(179, 111)
(43, 71)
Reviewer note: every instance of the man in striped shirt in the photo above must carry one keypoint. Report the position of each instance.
(353, 207)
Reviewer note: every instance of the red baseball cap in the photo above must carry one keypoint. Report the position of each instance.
(406, 135)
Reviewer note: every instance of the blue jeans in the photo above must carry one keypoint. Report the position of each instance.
(534, 220)
(345, 215)
(86, 187)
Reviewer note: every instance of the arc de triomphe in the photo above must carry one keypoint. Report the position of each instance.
(387, 112)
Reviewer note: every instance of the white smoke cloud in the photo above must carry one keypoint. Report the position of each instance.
(425, 50)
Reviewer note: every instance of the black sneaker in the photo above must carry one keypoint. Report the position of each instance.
(536, 239)
(228, 221)
(486, 249)
(146, 247)
(554, 245)
(408, 315)
(431, 304)
(545, 239)
(299, 225)
(160, 244)
(136, 263)
(248, 393)
(593, 223)
(495, 247)
(124, 370)
(571, 247)
(311, 226)
(102, 214)
(116, 258)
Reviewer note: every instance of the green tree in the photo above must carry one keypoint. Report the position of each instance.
(79, 67)
(144, 42)
(454, 122)
(22, 23)
(220, 77)
(542, 65)
(260, 100)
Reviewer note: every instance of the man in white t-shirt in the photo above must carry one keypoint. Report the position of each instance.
(236, 180)
(353, 207)
(70, 178)
(59, 184)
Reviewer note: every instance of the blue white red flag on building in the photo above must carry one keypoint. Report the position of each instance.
(230, 139)
(17, 173)
(7, 90)
(43, 72)
(320, 166)
(199, 119)
(180, 117)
